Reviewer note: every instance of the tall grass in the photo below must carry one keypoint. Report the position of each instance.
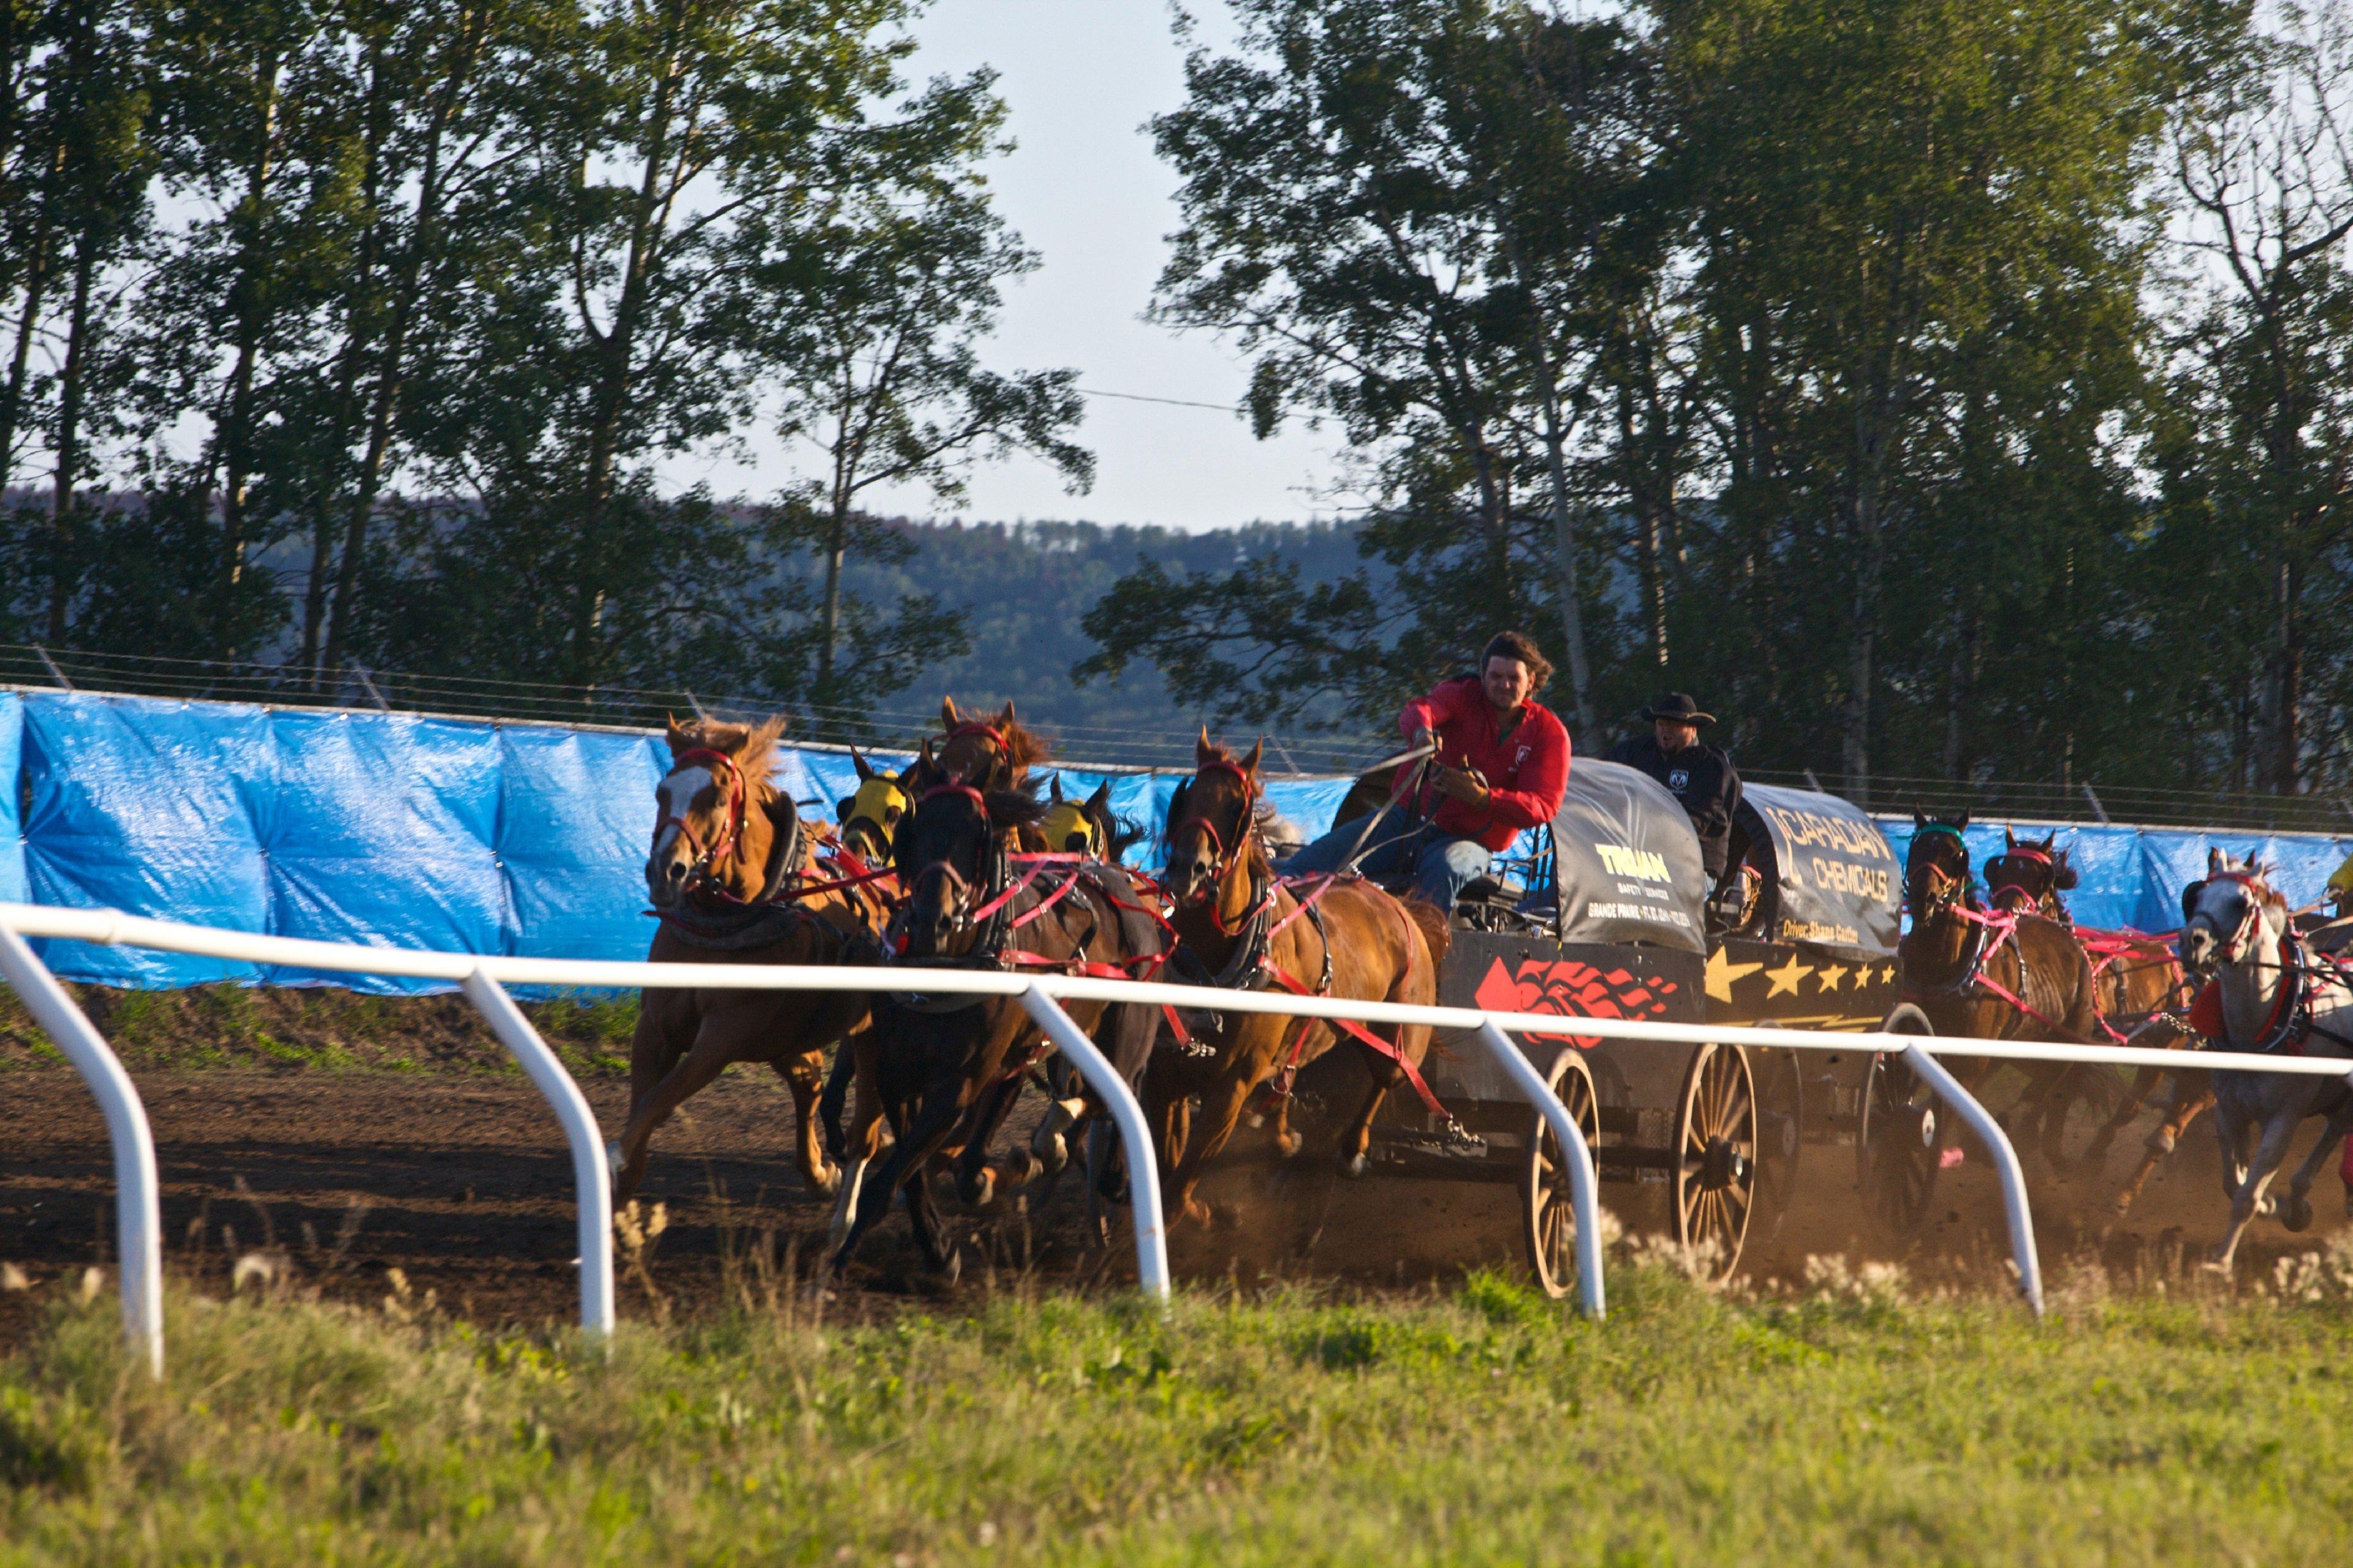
(1480, 1424)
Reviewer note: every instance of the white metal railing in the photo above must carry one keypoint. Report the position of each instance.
(484, 977)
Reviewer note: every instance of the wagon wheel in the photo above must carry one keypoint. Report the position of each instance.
(1781, 1133)
(1548, 1219)
(1715, 1146)
(1896, 1155)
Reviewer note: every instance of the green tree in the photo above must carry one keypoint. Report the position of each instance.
(880, 304)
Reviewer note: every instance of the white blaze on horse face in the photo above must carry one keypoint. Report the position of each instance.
(676, 793)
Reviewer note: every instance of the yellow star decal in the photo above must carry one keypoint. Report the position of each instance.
(1833, 974)
(1785, 978)
(1722, 973)
(1886, 972)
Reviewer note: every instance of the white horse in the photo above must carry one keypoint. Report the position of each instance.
(2274, 996)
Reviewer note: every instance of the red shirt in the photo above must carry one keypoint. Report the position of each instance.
(1527, 771)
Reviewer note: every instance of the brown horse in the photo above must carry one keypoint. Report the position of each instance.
(948, 1068)
(984, 751)
(1237, 926)
(730, 856)
(2137, 988)
(1996, 977)
(2029, 875)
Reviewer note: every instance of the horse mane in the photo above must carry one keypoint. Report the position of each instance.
(1262, 811)
(1016, 807)
(754, 746)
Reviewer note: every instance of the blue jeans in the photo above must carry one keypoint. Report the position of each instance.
(1441, 865)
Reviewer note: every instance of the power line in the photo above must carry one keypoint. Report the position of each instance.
(1172, 402)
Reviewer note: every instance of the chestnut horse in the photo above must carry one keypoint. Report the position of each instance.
(737, 878)
(1994, 977)
(2137, 987)
(1238, 926)
(948, 1068)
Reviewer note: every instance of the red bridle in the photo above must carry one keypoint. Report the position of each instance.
(733, 789)
(2256, 890)
(1226, 853)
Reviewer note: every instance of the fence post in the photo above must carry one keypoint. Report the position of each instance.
(2005, 1164)
(1135, 1136)
(138, 1206)
(579, 1123)
(1583, 1197)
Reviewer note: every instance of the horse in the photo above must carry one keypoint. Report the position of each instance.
(1237, 927)
(737, 878)
(949, 1069)
(2028, 876)
(1993, 975)
(2268, 994)
(991, 752)
(2138, 991)
(870, 815)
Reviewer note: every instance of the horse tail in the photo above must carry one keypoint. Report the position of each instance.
(1430, 921)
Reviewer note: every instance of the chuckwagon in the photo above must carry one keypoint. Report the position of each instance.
(1611, 917)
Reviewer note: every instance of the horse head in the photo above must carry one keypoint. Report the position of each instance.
(1078, 826)
(871, 815)
(2028, 874)
(1213, 820)
(1937, 868)
(718, 815)
(950, 853)
(2234, 918)
(985, 751)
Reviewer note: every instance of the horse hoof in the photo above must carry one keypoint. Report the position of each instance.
(2297, 1212)
(825, 1182)
(1199, 1214)
(1355, 1166)
(2160, 1142)
(981, 1192)
(1289, 1144)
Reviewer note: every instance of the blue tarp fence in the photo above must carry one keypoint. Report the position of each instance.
(399, 830)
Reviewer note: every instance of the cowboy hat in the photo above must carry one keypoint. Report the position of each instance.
(1677, 706)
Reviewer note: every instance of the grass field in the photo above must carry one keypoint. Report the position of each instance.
(1848, 1423)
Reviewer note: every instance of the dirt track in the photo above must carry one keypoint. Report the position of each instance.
(461, 1182)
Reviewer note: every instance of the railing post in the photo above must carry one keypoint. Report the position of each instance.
(589, 1169)
(2005, 1164)
(1134, 1135)
(1583, 1199)
(138, 1206)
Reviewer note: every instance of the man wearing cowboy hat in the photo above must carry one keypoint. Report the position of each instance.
(1699, 776)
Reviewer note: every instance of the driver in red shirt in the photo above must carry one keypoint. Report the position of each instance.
(1502, 766)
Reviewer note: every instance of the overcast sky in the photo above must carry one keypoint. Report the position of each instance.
(1085, 191)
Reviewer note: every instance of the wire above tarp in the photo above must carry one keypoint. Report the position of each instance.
(399, 830)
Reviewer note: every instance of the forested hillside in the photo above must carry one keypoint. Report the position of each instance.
(1025, 589)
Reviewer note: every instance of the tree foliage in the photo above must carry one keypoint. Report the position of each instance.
(1927, 383)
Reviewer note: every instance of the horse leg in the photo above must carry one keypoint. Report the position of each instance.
(1221, 1109)
(2278, 1131)
(2297, 1212)
(1287, 1141)
(715, 1045)
(977, 1181)
(919, 1138)
(836, 1095)
(866, 1139)
(802, 1074)
(2129, 1107)
(2192, 1097)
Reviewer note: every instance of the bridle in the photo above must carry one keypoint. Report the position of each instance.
(1949, 889)
(2252, 888)
(976, 729)
(728, 778)
(959, 892)
(1226, 853)
(2017, 855)
(878, 806)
